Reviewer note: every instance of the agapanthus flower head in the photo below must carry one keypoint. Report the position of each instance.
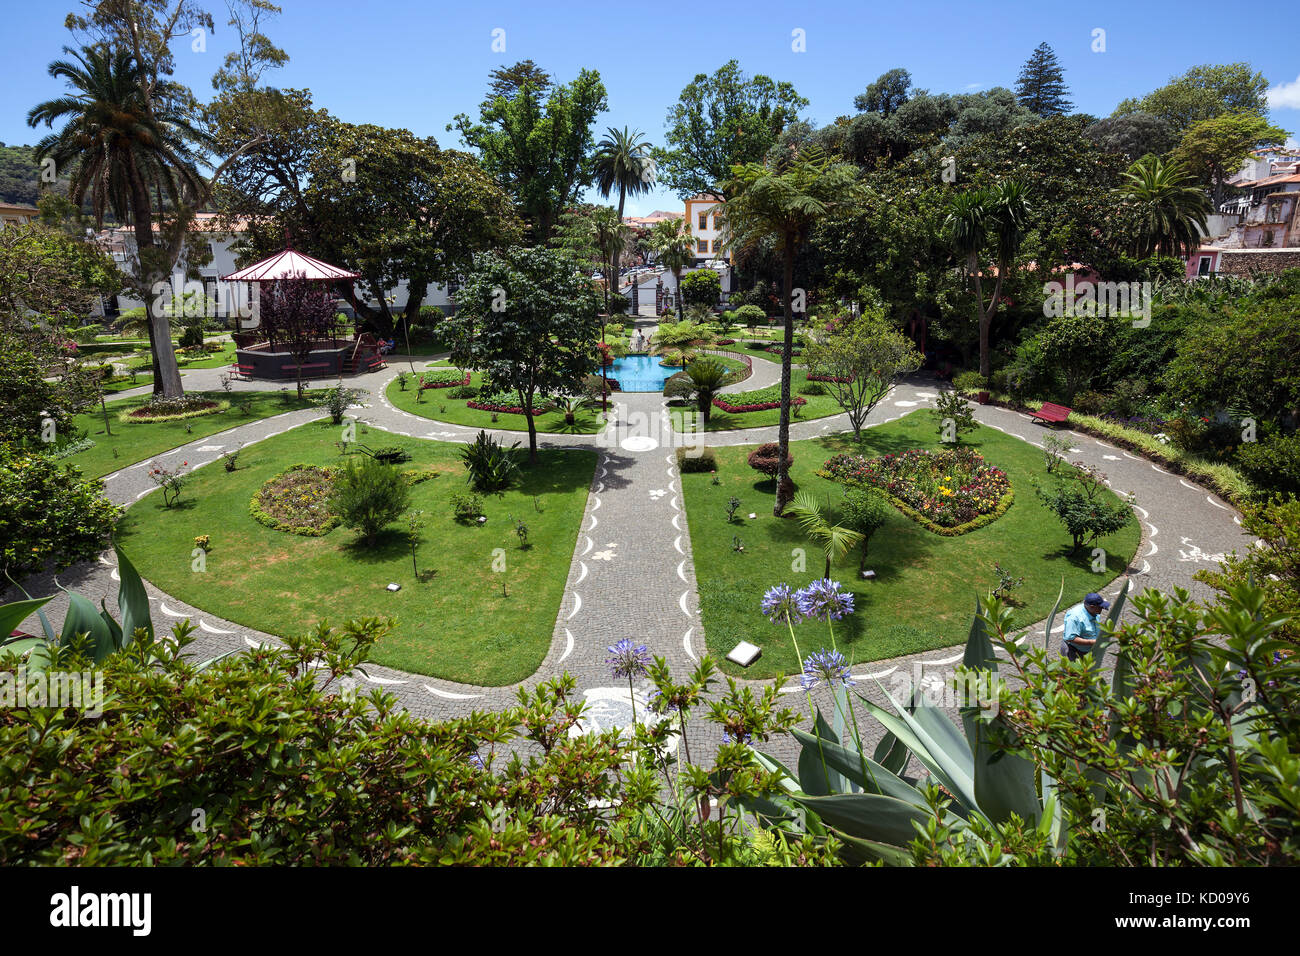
(476, 761)
(826, 666)
(628, 660)
(824, 600)
(781, 604)
(744, 738)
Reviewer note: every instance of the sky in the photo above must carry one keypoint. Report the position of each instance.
(412, 64)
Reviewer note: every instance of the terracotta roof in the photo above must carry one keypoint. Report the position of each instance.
(704, 197)
(1271, 181)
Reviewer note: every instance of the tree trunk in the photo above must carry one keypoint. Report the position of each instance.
(166, 373)
(618, 252)
(783, 430)
(532, 429)
(677, 275)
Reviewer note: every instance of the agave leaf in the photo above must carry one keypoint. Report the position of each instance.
(891, 754)
(1112, 619)
(862, 770)
(868, 816)
(114, 628)
(789, 782)
(953, 770)
(1003, 786)
(14, 613)
(83, 619)
(40, 613)
(204, 665)
(979, 646)
(1051, 618)
(815, 776)
(131, 599)
(859, 851)
(19, 646)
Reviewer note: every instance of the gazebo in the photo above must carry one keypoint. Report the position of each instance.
(258, 356)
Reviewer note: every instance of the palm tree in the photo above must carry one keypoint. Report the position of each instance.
(1171, 209)
(708, 376)
(678, 339)
(976, 218)
(674, 247)
(611, 235)
(622, 162)
(123, 138)
(818, 521)
(783, 202)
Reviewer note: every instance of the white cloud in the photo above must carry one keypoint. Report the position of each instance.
(972, 87)
(1285, 96)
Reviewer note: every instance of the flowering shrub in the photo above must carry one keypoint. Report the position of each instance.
(296, 501)
(489, 405)
(812, 377)
(443, 379)
(947, 488)
(755, 401)
(169, 481)
(171, 409)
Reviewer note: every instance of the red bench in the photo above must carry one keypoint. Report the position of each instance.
(241, 371)
(1047, 412)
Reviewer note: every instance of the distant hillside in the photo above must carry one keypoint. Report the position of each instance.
(20, 175)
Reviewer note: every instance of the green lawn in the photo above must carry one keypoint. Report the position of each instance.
(456, 625)
(214, 359)
(141, 378)
(926, 586)
(819, 406)
(437, 405)
(137, 441)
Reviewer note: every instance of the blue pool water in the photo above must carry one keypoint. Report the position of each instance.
(641, 373)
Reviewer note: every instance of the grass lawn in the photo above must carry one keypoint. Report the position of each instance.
(214, 359)
(138, 441)
(455, 625)
(586, 421)
(926, 585)
(819, 406)
(141, 378)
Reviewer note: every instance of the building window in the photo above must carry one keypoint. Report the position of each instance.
(1203, 268)
(717, 245)
(704, 220)
(703, 246)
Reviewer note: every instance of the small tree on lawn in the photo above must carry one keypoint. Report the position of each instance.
(862, 359)
(527, 319)
(1079, 502)
(368, 495)
(296, 313)
(865, 511)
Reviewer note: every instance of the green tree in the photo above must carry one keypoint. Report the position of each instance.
(1168, 209)
(1202, 93)
(820, 522)
(1213, 150)
(368, 495)
(996, 219)
(611, 236)
(1078, 499)
(1041, 86)
(1133, 135)
(703, 287)
(537, 143)
(707, 377)
(864, 358)
(622, 163)
(784, 203)
(721, 121)
(528, 320)
(674, 248)
(1076, 346)
(865, 511)
(889, 92)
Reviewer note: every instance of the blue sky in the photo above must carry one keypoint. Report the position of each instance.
(416, 64)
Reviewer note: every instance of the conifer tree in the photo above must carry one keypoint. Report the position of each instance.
(1041, 86)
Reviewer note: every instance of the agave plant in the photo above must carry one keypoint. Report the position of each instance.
(490, 465)
(870, 803)
(96, 633)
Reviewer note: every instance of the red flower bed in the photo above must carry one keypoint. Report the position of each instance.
(443, 383)
(830, 378)
(503, 409)
(725, 342)
(726, 406)
(779, 349)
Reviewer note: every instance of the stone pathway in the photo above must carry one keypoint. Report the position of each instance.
(631, 573)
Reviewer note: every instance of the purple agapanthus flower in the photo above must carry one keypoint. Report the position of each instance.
(728, 739)
(823, 600)
(476, 761)
(828, 666)
(781, 604)
(627, 659)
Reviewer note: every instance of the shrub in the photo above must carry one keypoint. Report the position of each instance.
(619, 304)
(1272, 464)
(702, 287)
(970, 382)
(705, 460)
(192, 336)
(490, 465)
(463, 391)
(766, 459)
(336, 402)
(757, 400)
(950, 407)
(679, 385)
(368, 495)
(812, 388)
(1127, 398)
(864, 510)
(1090, 403)
(49, 513)
(750, 315)
(466, 505)
(1079, 503)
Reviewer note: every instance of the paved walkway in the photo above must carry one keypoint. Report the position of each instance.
(631, 572)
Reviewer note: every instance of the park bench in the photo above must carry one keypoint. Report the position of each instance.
(244, 372)
(1048, 412)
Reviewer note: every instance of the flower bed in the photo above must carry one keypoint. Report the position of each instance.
(173, 409)
(780, 349)
(949, 492)
(296, 501)
(756, 401)
(842, 379)
(444, 380)
(488, 406)
(725, 342)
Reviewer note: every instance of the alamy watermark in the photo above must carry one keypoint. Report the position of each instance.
(963, 689)
(1124, 300)
(82, 690)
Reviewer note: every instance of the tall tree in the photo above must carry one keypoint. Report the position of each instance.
(1133, 135)
(537, 142)
(1202, 93)
(1213, 150)
(674, 248)
(527, 319)
(890, 91)
(720, 121)
(1168, 208)
(785, 202)
(994, 218)
(623, 162)
(1041, 86)
(611, 235)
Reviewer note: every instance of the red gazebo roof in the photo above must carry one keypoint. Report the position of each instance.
(290, 264)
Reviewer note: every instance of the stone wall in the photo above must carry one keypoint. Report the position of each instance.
(1241, 262)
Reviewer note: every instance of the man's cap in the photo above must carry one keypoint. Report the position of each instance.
(1095, 598)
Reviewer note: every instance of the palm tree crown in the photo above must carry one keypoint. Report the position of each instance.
(1171, 209)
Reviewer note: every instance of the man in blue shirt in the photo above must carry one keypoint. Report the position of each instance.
(1082, 626)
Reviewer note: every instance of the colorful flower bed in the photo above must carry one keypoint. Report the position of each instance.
(779, 349)
(843, 379)
(756, 401)
(174, 409)
(296, 501)
(950, 492)
(444, 380)
(497, 403)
